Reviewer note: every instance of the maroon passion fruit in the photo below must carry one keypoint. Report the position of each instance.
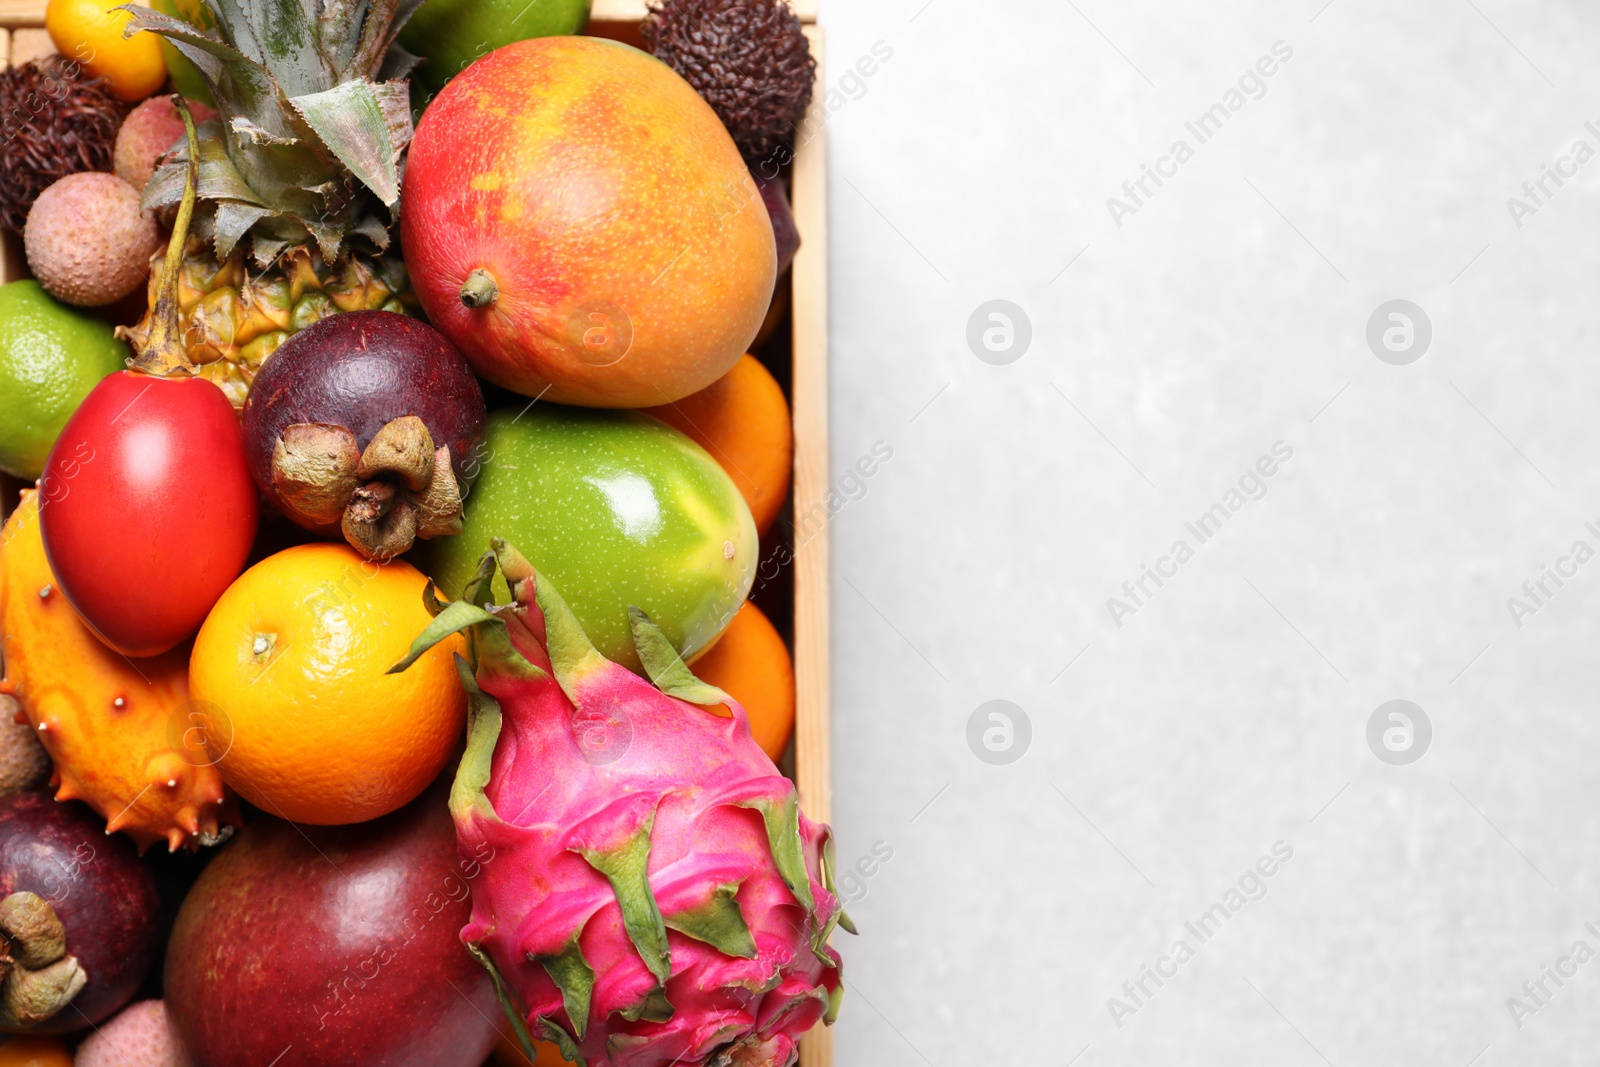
(364, 425)
(315, 946)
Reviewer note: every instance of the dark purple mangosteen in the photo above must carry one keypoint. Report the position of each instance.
(79, 915)
(776, 197)
(364, 424)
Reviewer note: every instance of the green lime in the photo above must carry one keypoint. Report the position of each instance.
(50, 357)
(186, 77)
(452, 34)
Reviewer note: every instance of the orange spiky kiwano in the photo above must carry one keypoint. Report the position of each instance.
(116, 728)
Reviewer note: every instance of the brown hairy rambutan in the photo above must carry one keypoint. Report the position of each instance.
(748, 58)
(55, 120)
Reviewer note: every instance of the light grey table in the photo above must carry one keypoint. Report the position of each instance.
(1008, 910)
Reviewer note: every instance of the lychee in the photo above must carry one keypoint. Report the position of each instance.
(87, 241)
(148, 133)
(141, 1036)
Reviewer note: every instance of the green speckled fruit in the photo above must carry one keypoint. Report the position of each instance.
(185, 77)
(617, 510)
(452, 34)
(51, 355)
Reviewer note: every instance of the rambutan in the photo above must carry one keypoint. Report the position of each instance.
(55, 120)
(749, 58)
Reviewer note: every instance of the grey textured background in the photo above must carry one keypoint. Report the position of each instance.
(1229, 713)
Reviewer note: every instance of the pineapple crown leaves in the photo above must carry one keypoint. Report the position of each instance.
(314, 115)
(616, 840)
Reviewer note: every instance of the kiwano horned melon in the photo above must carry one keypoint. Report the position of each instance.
(119, 730)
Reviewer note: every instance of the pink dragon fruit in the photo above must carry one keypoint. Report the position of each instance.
(649, 893)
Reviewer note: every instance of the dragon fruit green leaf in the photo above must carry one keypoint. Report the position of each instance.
(467, 797)
(718, 922)
(553, 1031)
(782, 820)
(454, 617)
(507, 1004)
(665, 667)
(842, 919)
(625, 862)
(572, 973)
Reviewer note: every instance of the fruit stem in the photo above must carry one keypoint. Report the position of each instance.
(164, 351)
(479, 290)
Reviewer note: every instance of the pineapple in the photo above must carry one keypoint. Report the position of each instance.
(233, 320)
(299, 174)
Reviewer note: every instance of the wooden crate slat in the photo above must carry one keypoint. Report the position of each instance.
(8, 269)
(810, 398)
(22, 12)
(30, 42)
(11, 262)
(617, 11)
(810, 402)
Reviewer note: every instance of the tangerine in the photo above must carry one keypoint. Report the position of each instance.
(28, 1050)
(90, 31)
(289, 670)
(743, 420)
(507, 1053)
(751, 664)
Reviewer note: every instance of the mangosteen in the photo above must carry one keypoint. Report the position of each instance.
(365, 424)
(79, 915)
(784, 232)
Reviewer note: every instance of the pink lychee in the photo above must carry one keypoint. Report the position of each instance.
(141, 1036)
(87, 241)
(150, 131)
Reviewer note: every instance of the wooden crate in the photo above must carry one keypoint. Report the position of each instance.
(22, 37)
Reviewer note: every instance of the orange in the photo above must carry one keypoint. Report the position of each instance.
(31, 1051)
(507, 1053)
(289, 672)
(90, 31)
(751, 664)
(742, 419)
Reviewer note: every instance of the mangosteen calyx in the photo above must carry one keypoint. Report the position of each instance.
(314, 467)
(40, 978)
(383, 497)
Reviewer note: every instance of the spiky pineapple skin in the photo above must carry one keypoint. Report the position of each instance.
(234, 318)
(589, 764)
(115, 729)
